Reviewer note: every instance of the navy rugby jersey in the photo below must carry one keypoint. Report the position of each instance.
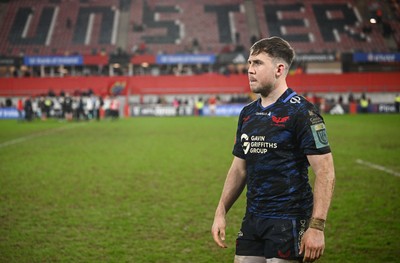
(274, 141)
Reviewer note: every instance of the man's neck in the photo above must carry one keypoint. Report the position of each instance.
(273, 96)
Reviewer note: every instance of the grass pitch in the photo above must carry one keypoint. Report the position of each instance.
(145, 190)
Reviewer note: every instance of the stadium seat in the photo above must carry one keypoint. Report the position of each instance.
(171, 26)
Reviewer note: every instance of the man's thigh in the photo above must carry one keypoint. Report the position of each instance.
(270, 238)
(253, 259)
(249, 259)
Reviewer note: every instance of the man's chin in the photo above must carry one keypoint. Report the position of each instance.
(260, 91)
(255, 90)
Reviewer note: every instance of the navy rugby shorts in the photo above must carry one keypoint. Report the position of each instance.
(270, 237)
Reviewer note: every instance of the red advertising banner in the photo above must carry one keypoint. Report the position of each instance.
(95, 59)
(199, 84)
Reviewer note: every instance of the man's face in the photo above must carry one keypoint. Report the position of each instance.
(261, 73)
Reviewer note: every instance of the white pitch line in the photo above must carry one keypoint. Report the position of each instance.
(378, 167)
(25, 138)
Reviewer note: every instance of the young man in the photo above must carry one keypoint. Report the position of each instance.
(278, 137)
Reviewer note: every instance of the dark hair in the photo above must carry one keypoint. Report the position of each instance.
(275, 47)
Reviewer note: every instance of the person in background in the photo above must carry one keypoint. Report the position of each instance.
(47, 107)
(176, 104)
(212, 104)
(98, 105)
(106, 106)
(67, 107)
(28, 109)
(199, 106)
(114, 108)
(397, 103)
(364, 103)
(278, 137)
(57, 107)
(80, 110)
(35, 108)
(20, 109)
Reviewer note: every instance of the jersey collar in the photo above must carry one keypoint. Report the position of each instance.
(285, 97)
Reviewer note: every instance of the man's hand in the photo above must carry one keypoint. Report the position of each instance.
(312, 245)
(218, 231)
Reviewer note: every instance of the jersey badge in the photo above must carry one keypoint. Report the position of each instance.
(320, 136)
(314, 118)
(295, 99)
(279, 121)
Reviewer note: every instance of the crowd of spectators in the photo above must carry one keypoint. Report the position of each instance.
(86, 106)
(65, 107)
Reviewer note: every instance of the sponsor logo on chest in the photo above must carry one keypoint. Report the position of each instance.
(256, 144)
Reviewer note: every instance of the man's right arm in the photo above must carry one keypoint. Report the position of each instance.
(233, 187)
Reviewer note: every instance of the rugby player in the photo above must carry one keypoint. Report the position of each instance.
(278, 137)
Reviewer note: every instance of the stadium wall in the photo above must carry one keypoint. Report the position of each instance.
(198, 84)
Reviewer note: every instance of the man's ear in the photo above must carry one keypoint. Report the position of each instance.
(280, 69)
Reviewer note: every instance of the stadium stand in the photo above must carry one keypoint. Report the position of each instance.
(71, 26)
(57, 27)
(172, 26)
(316, 26)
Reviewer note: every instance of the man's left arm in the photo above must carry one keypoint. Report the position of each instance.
(313, 241)
(324, 171)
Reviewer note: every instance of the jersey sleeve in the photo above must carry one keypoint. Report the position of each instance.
(237, 148)
(311, 131)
